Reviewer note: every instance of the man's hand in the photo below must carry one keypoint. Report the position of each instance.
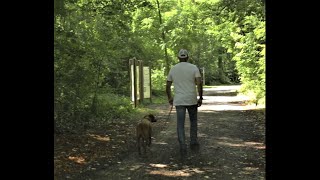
(200, 90)
(199, 102)
(168, 91)
(170, 101)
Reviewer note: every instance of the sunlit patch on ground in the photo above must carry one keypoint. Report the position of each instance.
(159, 165)
(244, 144)
(79, 160)
(248, 170)
(256, 145)
(135, 167)
(169, 173)
(161, 143)
(166, 170)
(176, 173)
(99, 137)
(227, 103)
(225, 141)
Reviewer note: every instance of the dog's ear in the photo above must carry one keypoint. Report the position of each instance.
(152, 118)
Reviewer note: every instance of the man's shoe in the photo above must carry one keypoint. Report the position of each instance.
(195, 146)
(183, 153)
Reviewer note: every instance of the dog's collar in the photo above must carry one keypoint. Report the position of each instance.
(146, 118)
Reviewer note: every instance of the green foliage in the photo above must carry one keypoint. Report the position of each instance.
(113, 106)
(108, 108)
(89, 55)
(158, 80)
(93, 41)
(251, 59)
(160, 97)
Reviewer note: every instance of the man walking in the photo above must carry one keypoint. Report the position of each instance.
(186, 79)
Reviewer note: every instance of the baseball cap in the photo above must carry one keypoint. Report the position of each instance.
(183, 53)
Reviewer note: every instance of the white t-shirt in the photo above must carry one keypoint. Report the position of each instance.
(183, 75)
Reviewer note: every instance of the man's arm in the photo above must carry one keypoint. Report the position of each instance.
(200, 90)
(168, 91)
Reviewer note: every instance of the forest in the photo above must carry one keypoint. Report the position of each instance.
(94, 40)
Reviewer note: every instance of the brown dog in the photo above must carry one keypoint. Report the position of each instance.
(144, 131)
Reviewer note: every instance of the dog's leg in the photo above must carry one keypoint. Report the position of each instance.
(144, 145)
(150, 132)
(138, 144)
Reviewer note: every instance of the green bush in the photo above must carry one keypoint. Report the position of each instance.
(112, 106)
(158, 80)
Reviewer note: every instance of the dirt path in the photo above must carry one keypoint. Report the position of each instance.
(231, 138)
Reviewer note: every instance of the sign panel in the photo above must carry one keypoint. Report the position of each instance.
(138, 82)
(132, 82)
(146, 82)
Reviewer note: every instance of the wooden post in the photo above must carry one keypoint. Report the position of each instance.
(130, 76)
(150, 84)
(203, 77)
(141, 87)
(133, 80)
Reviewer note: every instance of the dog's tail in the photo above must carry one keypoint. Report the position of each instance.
(139, 136)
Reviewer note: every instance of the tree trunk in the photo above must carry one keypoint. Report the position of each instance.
(164, 41)
(95, 98)
(222, 77)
